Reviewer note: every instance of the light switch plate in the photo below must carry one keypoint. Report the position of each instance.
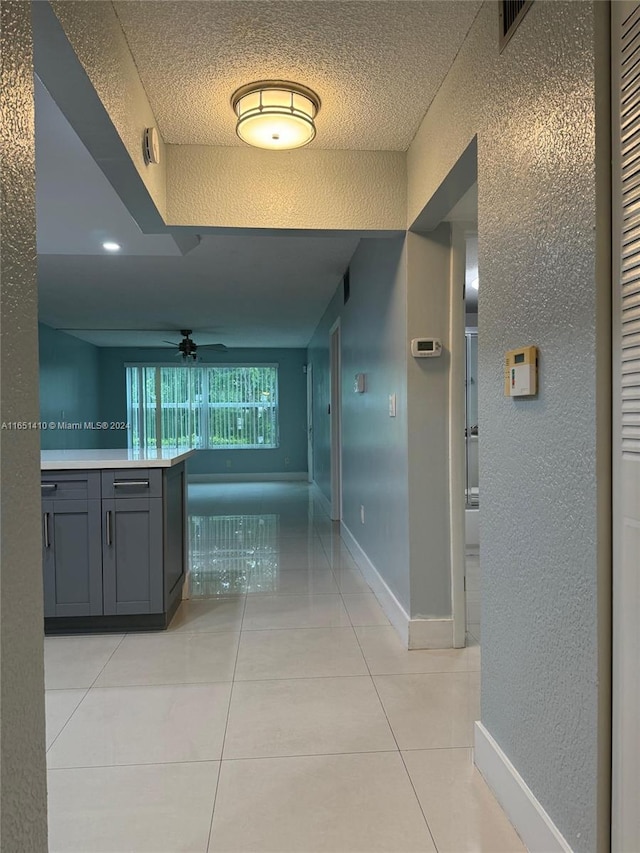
(392, 405)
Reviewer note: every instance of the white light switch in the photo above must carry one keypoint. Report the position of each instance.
(392, 405)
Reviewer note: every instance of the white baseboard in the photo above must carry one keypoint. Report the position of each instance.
(532, 823)
(247, 478)
(431, 633)
(414, 633)
(323, 500)
(393, 610)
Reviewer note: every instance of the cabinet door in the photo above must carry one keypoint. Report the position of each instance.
(72, 558)
(132, 556)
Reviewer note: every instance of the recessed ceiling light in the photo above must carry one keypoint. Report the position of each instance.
(275, 114)
(111, 247)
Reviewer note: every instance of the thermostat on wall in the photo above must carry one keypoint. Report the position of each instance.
(521, 372)
(426, 347)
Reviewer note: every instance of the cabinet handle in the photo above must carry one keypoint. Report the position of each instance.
(109, 536)
(48, 485)
(117, 483)
(45, 529)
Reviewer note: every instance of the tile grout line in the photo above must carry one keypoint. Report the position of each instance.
(227, 760)
(86, 693)
(51, 745)
(210, 683)
(226, 725)
(404, 763)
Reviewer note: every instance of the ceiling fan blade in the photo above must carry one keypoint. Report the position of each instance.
(102, 329)
(171, 343)
(217, 347)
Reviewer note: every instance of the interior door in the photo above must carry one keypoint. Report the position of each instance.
(625, 77)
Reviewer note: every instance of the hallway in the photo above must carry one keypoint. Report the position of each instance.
(278, 713)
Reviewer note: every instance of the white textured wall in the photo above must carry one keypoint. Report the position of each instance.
(23, 805)
(544, 461)
(94, 31)
(308, 188)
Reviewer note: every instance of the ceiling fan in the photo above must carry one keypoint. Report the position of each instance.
(188, 348)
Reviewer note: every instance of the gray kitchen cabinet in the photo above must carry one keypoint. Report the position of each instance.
(71, 554)
(114, 548)
(72, 558)
(132, 556)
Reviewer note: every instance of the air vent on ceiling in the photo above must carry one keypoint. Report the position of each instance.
(511, 13)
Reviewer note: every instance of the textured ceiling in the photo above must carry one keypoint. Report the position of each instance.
(77, 208)
(248, 291)
(375, 64)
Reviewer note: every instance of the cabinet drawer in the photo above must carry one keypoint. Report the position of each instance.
(132, 483)
(70, 485)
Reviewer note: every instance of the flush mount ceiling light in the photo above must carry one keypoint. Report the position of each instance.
(275, 114)
(111, 247)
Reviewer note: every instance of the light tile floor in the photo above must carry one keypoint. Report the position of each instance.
(278, 713)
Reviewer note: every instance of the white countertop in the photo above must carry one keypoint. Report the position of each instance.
(68, 460)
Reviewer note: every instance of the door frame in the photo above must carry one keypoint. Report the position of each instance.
(310, 470)
(457, 420)
(335, 411)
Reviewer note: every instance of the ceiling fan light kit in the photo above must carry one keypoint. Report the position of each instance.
(275, 114)
(188, 348)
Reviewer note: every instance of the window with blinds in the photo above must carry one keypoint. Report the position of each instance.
(230, 407)
(630, 161)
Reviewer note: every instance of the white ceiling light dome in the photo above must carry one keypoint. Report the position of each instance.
(275, 114)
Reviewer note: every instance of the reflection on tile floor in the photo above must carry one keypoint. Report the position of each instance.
(281, 681)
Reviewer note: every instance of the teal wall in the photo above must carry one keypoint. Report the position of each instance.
(290, 456)
(81, 383)
(69, 389)
(374, 446)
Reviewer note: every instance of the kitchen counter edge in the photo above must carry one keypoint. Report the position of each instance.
(85, 460)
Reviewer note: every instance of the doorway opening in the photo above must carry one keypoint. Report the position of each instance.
(336, 426)
(310, 471)
(471, 437)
